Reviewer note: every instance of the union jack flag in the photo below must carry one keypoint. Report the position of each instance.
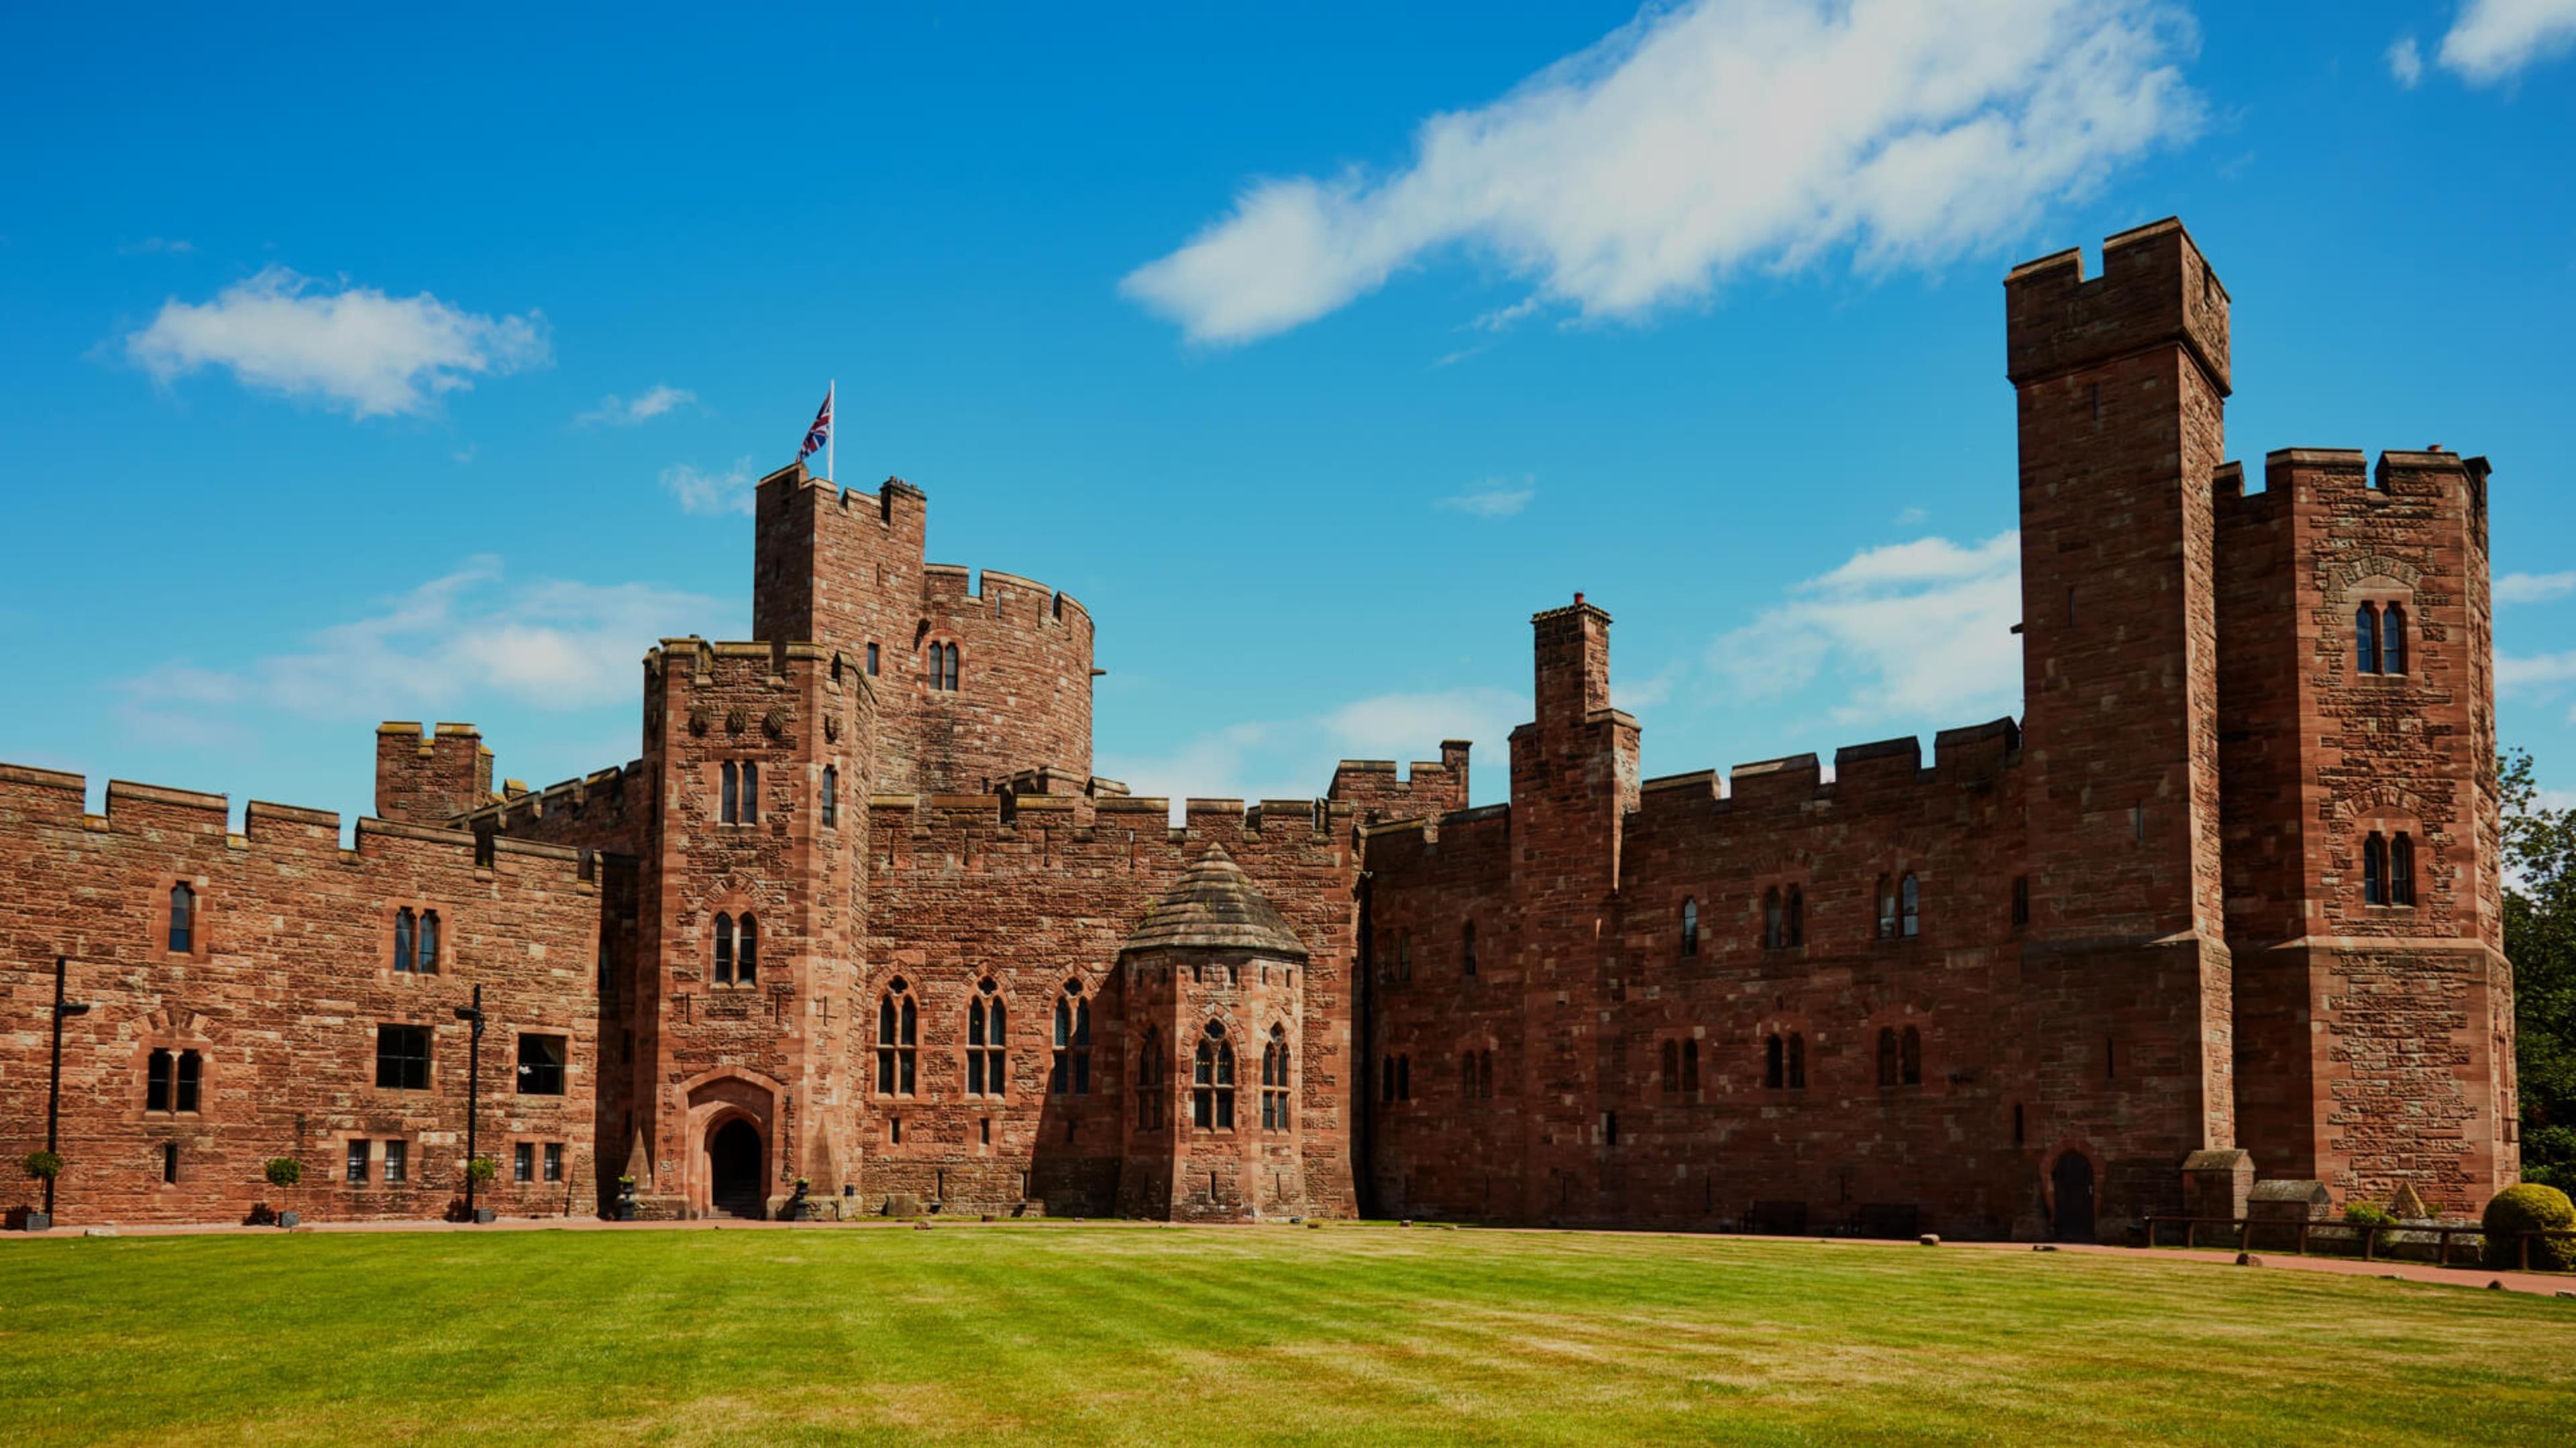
(820, 433)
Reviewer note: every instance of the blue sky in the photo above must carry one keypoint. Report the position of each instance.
(361, 370)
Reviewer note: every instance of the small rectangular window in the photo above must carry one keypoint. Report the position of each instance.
(872, 660)
(358, 1153)
(523, 1162)
(156, 1082)
(170, 1163)
(402, 1057)
(541, 1065)
(396, 1158)
(2021, 900)
(554, 1161)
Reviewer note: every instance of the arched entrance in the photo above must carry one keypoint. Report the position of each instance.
(2071, 1183)
(735, 1180)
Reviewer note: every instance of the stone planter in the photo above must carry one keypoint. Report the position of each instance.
(35, 1221)
(483, 1216)
(289, 1219)
(623, 1210)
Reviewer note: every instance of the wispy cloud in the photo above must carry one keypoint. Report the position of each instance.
(552, 645)
(1493, 498)
(713, 494)
(2534, 674)
(2495, 39)
(616, 411)
(1712, 137)
(2533, 587)
(355, 348)
(2406, 62)
(1294, 758)
(1903, 632)
(157, 246)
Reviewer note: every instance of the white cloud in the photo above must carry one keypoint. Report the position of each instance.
(2533, 587)
(615, 411)
(2534, 673)
(1493, 498)
(713, 494)
(2405, 62)
(157, 246)
(355, 348)
(1906, 631)
(2493, 39)
(1715, 136)
(553, 645)
(1294, 758)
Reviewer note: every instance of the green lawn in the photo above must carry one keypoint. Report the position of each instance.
(1122, 1334)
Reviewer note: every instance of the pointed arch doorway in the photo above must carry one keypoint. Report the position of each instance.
(735, 1179)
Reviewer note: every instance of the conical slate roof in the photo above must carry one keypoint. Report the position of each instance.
(1214, 907)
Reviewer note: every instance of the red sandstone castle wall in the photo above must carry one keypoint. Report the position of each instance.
(847, 569)
(2378, 1037)
(961, 895)
(290, 972)
(776, 1052)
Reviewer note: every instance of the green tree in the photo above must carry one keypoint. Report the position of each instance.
(2540, 938)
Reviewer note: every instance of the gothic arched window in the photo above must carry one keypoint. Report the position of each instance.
(429, 942)
(1071, 1074)
(724, 950)
(1212, 1081)
(2365, 640)
(1910, 906)
(1774, 928)
(1796, 922)
(2374, 869)
(2392, 640)
(898, 1038)
(406, 927)
(1690, 926)
(1886, 908)
(183, 919)
(1274, 1081)
(2401, 869)
(1149, 1081)
(988, 1064)
(831, 800)
(746, 950)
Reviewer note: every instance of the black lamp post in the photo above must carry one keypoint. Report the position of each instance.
(54, 1090)
(473, 1015)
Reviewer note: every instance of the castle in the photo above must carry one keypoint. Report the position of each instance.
(2223, 902)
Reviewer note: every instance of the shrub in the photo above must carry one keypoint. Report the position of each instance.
(42, 1165)
(2371, 1214)
(480, 1169)
(283, 1171)
(2530, 1208)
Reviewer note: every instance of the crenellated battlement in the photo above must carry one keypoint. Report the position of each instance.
(161, 818)
(1435, 786)
(1868, 775)
(1120, 817)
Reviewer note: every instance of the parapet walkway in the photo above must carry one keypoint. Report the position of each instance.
(2542, 1284)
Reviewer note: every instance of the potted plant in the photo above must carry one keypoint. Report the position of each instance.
(480, 1171)
(40, 1166)
(283, 1172)
(625, 1208)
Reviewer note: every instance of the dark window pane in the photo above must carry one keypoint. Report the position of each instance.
(191, 1071)
(402, 1057)
(541, 1065)
(357, 1169)
(183, 919)
(156, 1082)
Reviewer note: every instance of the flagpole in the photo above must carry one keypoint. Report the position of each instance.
(832, 431)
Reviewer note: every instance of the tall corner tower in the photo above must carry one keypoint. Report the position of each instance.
(2120, 389)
